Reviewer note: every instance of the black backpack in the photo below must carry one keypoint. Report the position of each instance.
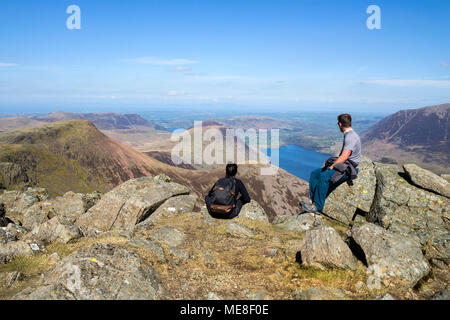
(223, 197)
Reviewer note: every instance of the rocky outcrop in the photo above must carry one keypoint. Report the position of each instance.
(16, 203)
(427, 180)
(406, 209)
(55, 230)
(37, 214)
(172, 207)
(100, 272)
(72, 205)
(169, 236)
(299, 223)
(12, 174)
(130, 203)
(323, 248)
(346, 201)
(393, 259)
(253, 211)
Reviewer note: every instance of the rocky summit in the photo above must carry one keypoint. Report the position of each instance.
(383, 236)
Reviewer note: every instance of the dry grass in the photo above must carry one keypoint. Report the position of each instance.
(240, 269)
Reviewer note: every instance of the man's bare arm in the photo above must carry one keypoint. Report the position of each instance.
(342, 158)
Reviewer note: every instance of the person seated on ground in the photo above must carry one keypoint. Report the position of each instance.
(336, 170)
(227, 196)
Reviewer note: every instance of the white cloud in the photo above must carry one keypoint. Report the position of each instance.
(410, 83)
(6, 65)
(181, 69)
(174, 93)
(161, 62)
(445, 64)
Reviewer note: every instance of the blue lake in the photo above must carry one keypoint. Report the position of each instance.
(299, 161)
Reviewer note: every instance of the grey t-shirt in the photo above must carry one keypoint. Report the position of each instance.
(352, 142)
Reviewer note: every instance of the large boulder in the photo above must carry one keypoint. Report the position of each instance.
(323, 248)
(72, 205)
(393, 259)
(16, 203)
(406, 209)
(37, 214)
(346, 200)
(173, 207)
(299, 223)
(253, 211)
(427, 180)
(130, 203)
(55, 230)
(100, 272)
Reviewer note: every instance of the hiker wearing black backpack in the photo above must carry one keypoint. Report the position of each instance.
(227, 196)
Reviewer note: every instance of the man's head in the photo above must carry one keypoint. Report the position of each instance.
(231, 169)
(344, 121)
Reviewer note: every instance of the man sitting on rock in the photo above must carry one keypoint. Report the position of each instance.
(227, 196)
(336, 170)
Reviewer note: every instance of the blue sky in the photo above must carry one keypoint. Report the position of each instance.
(247, 54)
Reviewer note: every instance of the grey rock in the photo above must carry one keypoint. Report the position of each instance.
(172, 207)
(394, 259)
(446, 177)
(324, 249)
(152, 246)
(442, 295)
(37, 214)
(405, 209)
(53, 230)
(169, 236)
(179, 254)
(253, 211)
(387, 296)
(11, 250)
(16, 203)
(344, 202)
(212, 296)
(6, 236)
(299, 223)
(437, 251)
(16, 230)
(323, 293)
(427, 180)
(209, 260)
(100, 272)
(129, 204)
(236, 230)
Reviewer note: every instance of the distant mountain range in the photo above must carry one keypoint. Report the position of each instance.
(103, 121)
(418, 135)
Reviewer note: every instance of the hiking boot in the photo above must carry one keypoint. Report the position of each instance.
(310, 208)
(306, 203)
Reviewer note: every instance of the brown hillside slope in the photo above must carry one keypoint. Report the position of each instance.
(71, 155)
